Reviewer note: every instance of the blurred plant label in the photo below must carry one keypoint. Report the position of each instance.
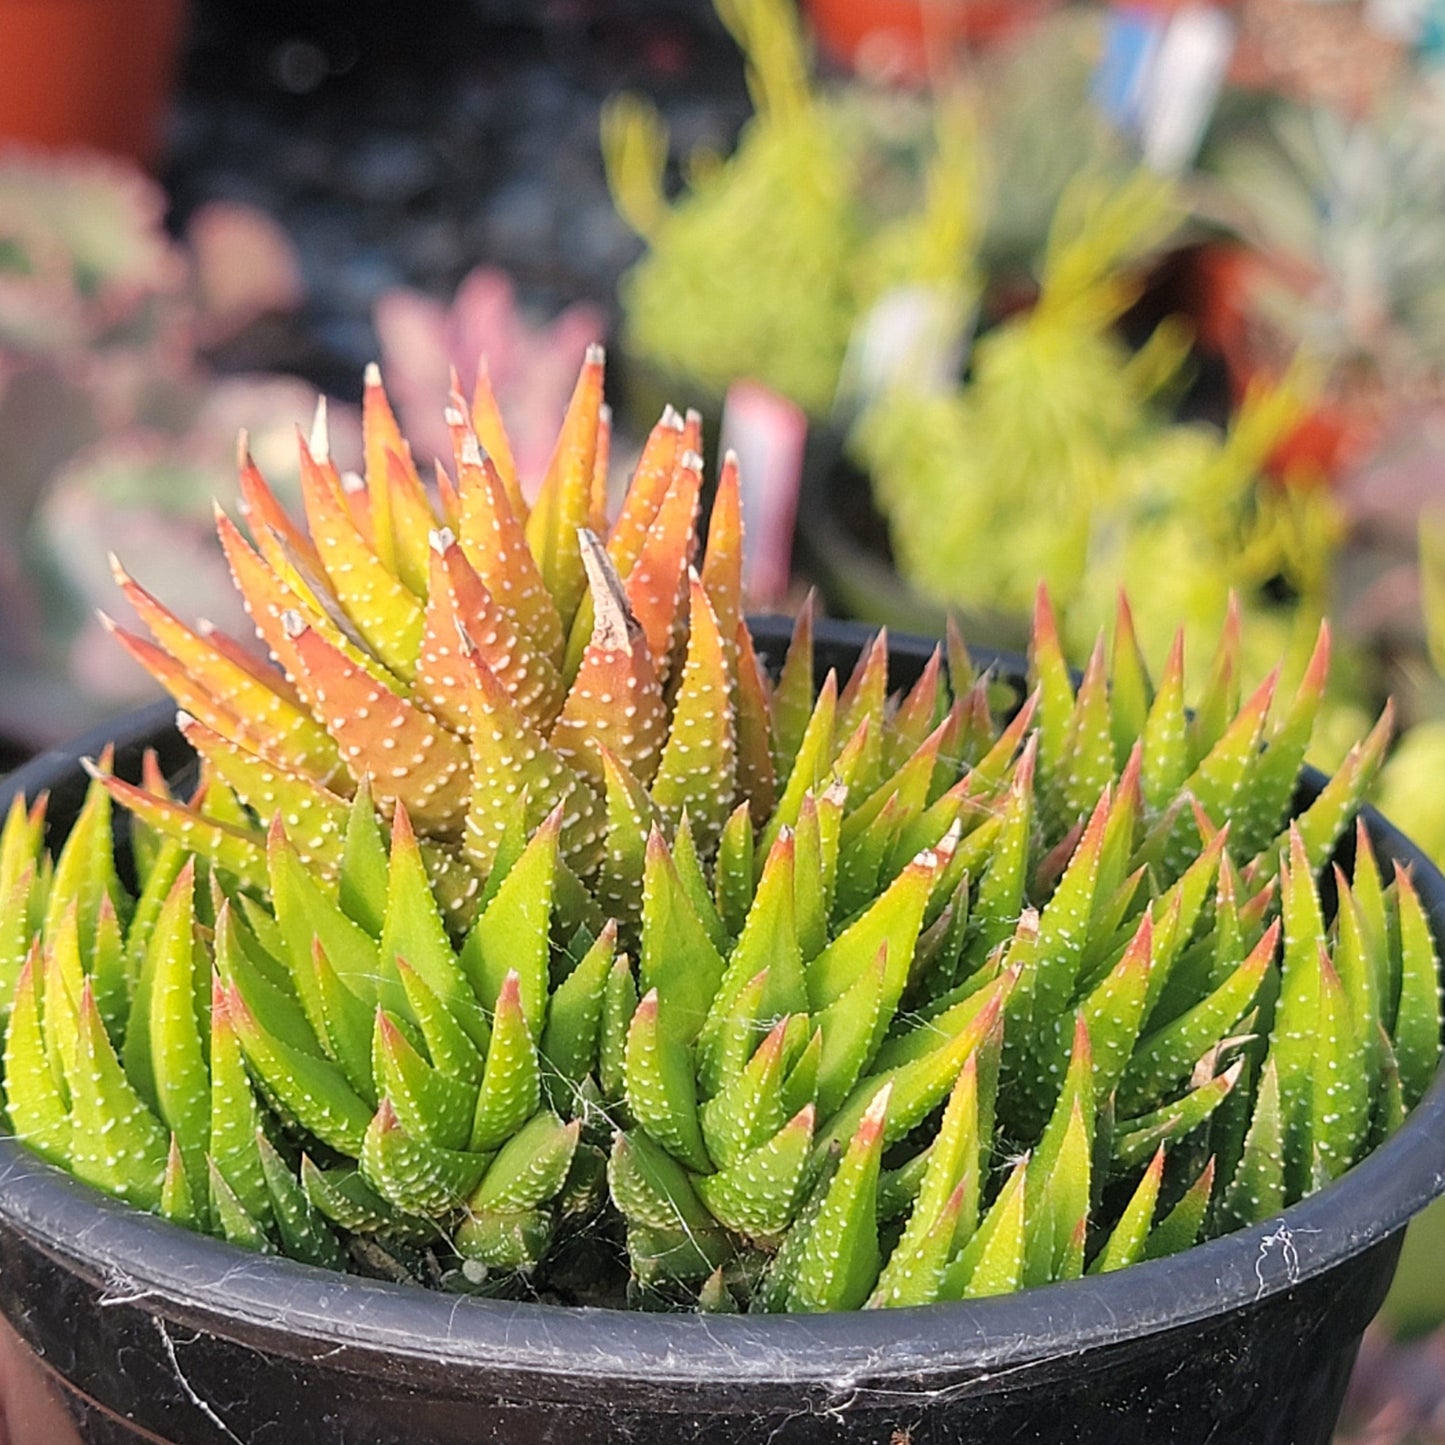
(1183, 86)
(1406, 20)
(1160, 76)
(914, 335)
(1131, 40)
(768, 433)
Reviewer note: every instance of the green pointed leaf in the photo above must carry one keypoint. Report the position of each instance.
(512, 933)
(1130, 691)
(416, 1177)
(235, 1116)
(809, 770)
(85, 869)
(893, 921)
(431, 1106)
(1165, 1057)
(364, 864)
(449, 1045)
(236, 1224)
(838, 1267)
(946, 1206)
(670, 1233)
(749, 1109)
(572, 1039)
(734, 871)
(694, 882)
(116, 1143)
(619, 1003)
(1257, 1189)
(38, 1109)
(1179, 1229)
(311, 1090)
(414, 931)
(1135, 1140)
(512, 1084)
(851, 1026)
(992, 1262)
(660, 1087)
(530, 1168)
(1166, 734)
(303, 1232)
(678, 958)
(793, 696)
(178, 1200)
(1130, 1237)
(345, 1198)
(1417, 1018)
(758, 1194)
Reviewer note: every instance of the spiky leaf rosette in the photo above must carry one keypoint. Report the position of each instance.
(512, 914)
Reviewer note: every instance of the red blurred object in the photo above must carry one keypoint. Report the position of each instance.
(1341, 428)
(896, 38)
(94, 73)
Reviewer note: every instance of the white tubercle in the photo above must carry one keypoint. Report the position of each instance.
(320, 433)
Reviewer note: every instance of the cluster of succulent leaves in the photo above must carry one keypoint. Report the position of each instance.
(763, 267)
(521, 913)
(986, 488)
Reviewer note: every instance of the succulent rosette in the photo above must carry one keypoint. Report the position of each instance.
(525, 932)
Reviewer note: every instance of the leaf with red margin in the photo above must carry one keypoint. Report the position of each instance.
(698, 771)
(657, 586)
(459, 598)
(486, 419)
(649, 486)
(722, 562)
(615, 701)
(756, 779)
(409, 755)
(514, 766)
(495, 543)
(564, 502)
(383, 610)
(242, 855)
(267, 710)
(314, 816)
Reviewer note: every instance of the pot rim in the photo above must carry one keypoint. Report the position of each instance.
(292, 1309)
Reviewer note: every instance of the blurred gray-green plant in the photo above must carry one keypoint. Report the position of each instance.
(112, 423)
(1348, 217)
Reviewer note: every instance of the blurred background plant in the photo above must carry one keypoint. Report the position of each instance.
(114, 428)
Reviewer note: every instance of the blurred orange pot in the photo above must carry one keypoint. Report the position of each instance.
(1342, 426)
(92, 73)
(894, 38)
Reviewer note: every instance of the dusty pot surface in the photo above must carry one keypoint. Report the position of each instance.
(147, 1332)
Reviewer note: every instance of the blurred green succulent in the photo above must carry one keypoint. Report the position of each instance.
(1055, 458)
(763, 267)
(476, 944)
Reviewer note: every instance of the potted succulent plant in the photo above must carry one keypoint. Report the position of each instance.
(542, 933)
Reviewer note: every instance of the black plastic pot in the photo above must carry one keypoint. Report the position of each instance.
(147, 1332)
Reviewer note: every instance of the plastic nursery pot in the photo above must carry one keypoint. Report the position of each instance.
(136, 1330)
(92, 73)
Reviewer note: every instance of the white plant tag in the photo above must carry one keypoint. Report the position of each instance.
(914, 334)
(768, 433)
(1183, 85)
